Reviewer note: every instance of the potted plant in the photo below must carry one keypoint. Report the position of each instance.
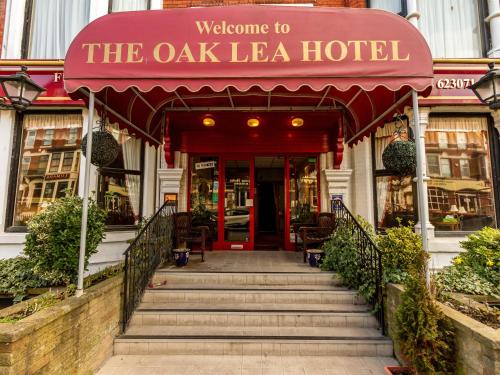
(396, 370)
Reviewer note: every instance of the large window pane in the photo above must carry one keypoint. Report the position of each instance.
(394, 201)
(205, 191)
(394, 193)
(236, 193)
(120, 182)
(40, 179)
(451, 27)
(54, 24)
(461, 194)
(303, 190)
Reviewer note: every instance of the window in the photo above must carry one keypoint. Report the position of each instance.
(54, 162)
(438, 199)
(443, 139)
(30, 139)
(461, 141)
(433, 165)
(73, 136)
(68, 161)
(205, 188)
(38, 177)
(48, 137)
(464, 168)
(394, 194)
(119, 190)
(452, 27)
(444, 165)
(54, 24)
(395, 6)
(127, 5)
(461, 196)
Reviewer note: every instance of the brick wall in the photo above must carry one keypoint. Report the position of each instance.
(324, 3)
(73, 337)
(3, 8)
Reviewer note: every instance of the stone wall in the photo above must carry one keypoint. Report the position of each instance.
(73, 337)
(478, 346)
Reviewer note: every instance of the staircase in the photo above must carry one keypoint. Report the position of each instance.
(262, 314)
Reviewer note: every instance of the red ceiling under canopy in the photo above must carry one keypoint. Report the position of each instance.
(141, 65)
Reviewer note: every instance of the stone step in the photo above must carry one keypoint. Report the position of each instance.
(256, 319)
(251, 346)
(276, 288)
(246, 278)
(203, 296)
(154, 331)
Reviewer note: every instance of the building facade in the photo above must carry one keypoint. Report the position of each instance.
(255, 194)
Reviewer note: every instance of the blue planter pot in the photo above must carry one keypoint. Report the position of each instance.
(314, 257)
(181, 257)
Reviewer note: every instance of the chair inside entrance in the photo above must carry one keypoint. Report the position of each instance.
(196, 238)
(317, 234)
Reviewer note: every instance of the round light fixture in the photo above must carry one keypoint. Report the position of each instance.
(208, 121)
(253, 122)
(297, 122)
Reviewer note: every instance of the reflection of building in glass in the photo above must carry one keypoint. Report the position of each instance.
(49, 162)
(458, 162)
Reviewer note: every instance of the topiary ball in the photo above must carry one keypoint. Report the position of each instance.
(105, 148)
(400, 158)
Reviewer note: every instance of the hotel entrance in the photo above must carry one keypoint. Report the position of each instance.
(254, 202)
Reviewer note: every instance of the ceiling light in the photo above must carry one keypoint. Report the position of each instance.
(297, 122)
(253, 122)
(208, 121)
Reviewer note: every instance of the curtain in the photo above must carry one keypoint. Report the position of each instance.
(458, 124)
(390, 5)
(383, 186)
(54, 24)
(383, 137)
(451, 27)
(52, 121)
(124, 5)
(132, 161)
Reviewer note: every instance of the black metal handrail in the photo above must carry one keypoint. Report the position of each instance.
(370, 256)
(151, 247)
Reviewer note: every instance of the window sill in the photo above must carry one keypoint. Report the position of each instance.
(454, 233)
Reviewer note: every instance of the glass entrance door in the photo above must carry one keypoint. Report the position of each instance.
(236, 226)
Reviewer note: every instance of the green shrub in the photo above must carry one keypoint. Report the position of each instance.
(463, 279)
(482, 254)
(425, 334)
(53, 239)
(400, 246)
(341, 256)
(16, 276)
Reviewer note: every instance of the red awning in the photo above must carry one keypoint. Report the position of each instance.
(141, 64)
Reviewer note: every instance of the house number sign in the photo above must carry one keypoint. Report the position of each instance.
(454, 83)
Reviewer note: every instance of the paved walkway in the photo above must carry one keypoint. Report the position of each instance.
(244, 365)
(247, 261)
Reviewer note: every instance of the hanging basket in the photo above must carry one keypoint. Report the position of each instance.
(105, 148)
(400, 158)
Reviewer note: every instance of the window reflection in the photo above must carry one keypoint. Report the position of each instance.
(49, 165)
(236, 193)
(303, 191)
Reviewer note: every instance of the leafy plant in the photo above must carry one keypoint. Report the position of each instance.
(400, 246)
(37, 304)
(17, 276)
(53, 239)
(201, 215)
(482, 254)
(462, 279)
(425, 334)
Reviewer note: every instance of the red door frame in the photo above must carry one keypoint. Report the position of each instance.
(220, 243)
